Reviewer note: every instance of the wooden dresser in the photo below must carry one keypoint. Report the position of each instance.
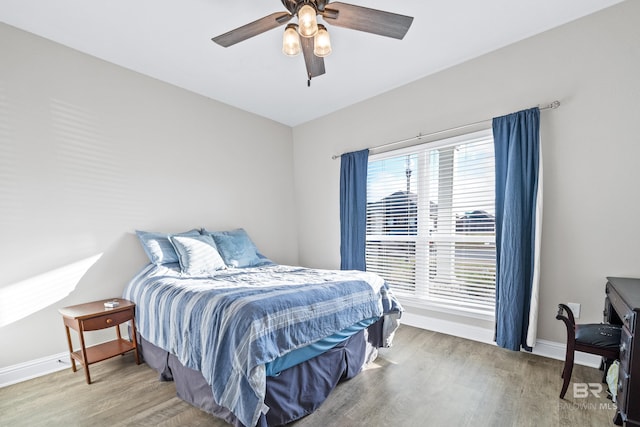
(622, 306)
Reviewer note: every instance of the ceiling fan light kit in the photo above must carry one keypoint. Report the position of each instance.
(307, 22)
(312, 38)
(291, 41)
(322, 42)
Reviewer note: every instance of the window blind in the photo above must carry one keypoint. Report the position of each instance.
(431, 221)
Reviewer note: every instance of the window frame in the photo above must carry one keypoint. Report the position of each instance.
(416, 300)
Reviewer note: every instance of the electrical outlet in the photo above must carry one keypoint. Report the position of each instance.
(575, 307)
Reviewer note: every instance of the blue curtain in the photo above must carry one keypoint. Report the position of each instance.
(517, 150)
(353, 209)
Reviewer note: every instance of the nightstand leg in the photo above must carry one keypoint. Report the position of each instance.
(135, 340)
(84, 356)
(73, 362)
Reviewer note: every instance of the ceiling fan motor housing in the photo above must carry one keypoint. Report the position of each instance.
(293, 5)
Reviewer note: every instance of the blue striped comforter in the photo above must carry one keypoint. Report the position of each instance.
(229, 325)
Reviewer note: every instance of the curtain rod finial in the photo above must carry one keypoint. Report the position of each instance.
(551, 106)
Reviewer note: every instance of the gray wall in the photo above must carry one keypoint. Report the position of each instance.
(591, 150)
(89, 152)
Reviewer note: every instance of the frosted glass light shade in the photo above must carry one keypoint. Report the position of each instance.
(322, 42)
(291, 41)
(307, 22)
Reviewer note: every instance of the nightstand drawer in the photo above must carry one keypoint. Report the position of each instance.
(107, 320)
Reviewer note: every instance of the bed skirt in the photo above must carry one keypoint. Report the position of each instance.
(294, 393)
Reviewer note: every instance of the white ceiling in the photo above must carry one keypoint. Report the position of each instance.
(171, 41)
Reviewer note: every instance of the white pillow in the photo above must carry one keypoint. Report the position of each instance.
(198, 255)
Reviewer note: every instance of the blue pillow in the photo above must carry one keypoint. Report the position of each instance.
(237, 249)
(197, 254)
(158, 247)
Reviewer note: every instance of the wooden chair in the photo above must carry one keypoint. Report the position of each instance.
(595, 338)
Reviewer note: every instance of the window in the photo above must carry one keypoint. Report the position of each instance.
(431, 222)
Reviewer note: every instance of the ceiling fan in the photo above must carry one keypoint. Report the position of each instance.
(312, 38)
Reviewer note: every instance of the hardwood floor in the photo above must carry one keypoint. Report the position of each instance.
(426, 379)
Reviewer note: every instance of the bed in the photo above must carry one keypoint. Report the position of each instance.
(247, 340)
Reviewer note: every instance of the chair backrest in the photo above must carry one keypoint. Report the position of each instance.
(568, 320)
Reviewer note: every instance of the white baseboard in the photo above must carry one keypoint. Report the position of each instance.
(34, 368)
(550, 349)
(554, 350)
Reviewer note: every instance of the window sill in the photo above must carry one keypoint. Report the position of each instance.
(408, 301)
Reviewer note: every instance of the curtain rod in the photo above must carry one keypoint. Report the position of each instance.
(553, 105)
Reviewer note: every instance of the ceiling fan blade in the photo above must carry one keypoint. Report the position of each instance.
(315, 64)
(253, 29)
(368, 20)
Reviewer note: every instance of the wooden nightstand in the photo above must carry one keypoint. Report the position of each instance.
(94, 316)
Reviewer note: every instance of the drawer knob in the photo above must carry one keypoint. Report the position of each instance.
(109, 321)
(623, 347)
(626, 316)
